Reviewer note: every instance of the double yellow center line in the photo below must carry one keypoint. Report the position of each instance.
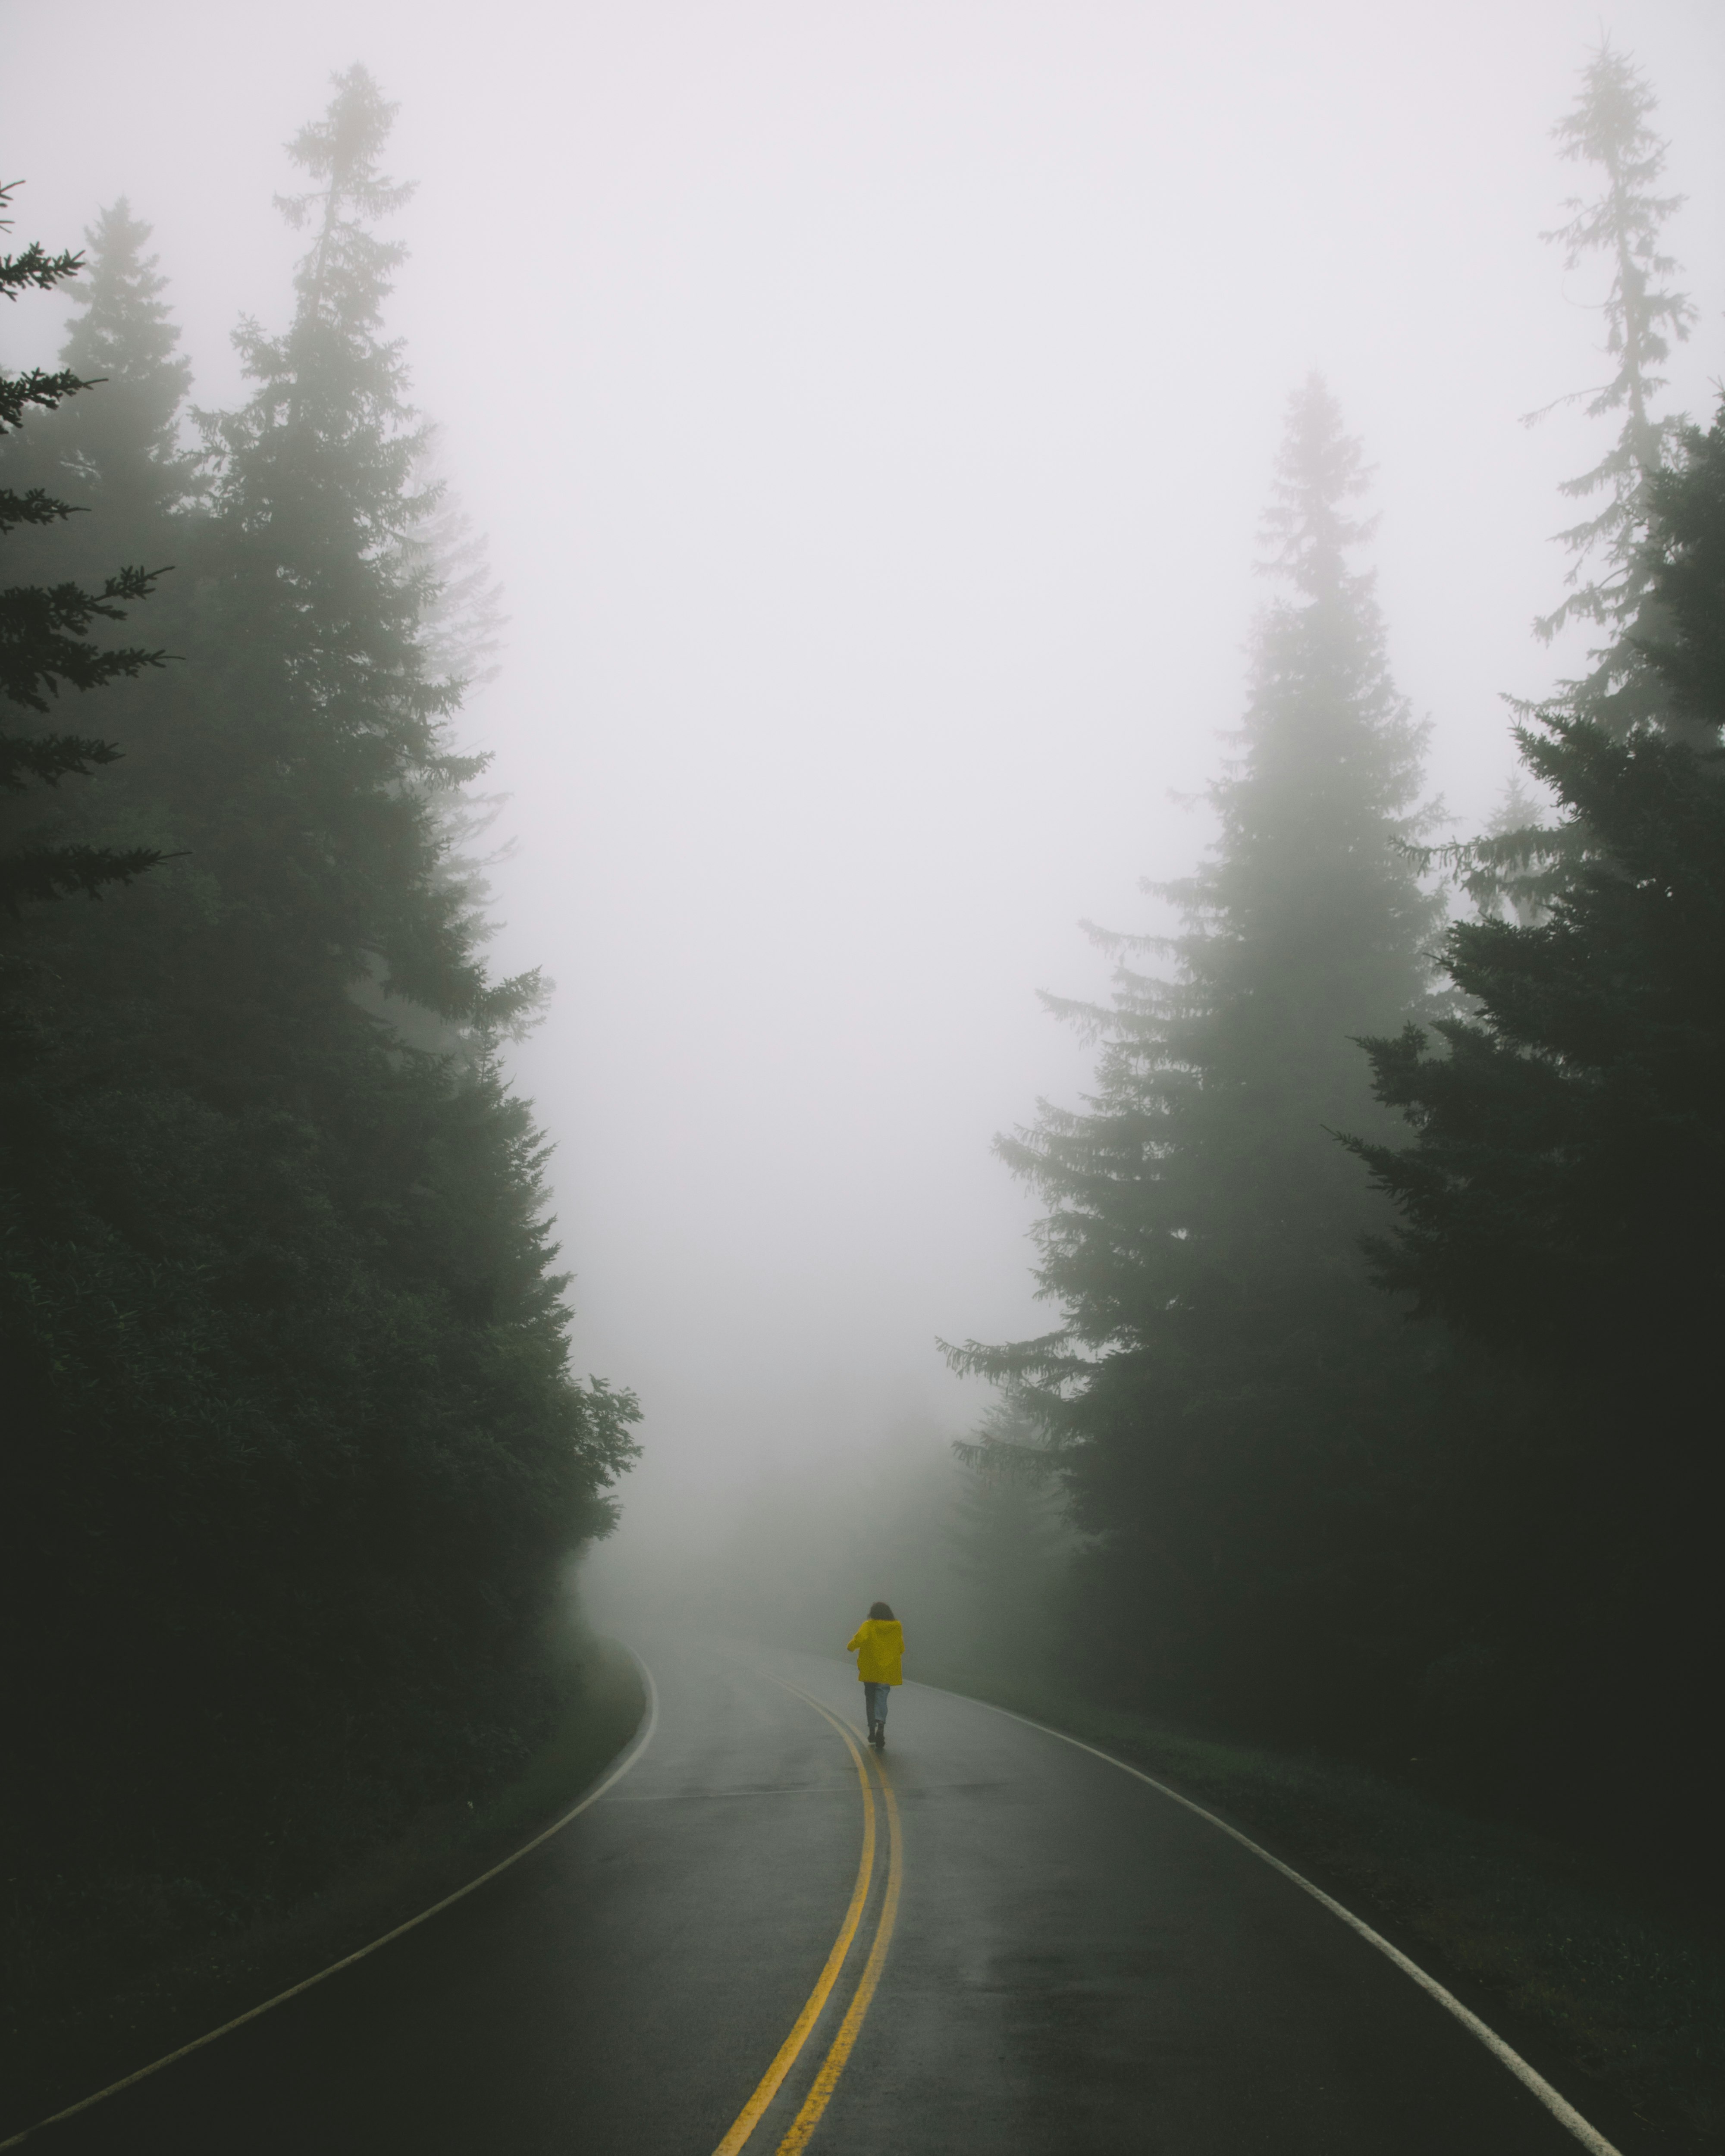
(826, 2080)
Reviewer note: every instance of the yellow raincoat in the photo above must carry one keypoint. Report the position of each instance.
(880, 1649)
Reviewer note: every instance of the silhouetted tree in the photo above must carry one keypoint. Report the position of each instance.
(1226, 1385)
(1563, 1194)
(1610, 128)
(297, 1464)
(1561, 1199)
(45, 644)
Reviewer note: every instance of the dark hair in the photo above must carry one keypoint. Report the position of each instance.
(880, 1609)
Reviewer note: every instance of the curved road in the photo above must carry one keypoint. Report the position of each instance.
(1075, 1964)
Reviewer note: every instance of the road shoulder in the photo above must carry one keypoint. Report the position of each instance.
(62, 2055)
(1613, 1999)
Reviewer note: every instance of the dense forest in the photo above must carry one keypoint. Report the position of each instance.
(1377, 1417)
(295, 1466)
(1383, 1247)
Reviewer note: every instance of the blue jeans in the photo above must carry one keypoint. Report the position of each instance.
(875, 1699)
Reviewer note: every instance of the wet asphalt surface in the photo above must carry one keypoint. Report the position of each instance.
(1079, 1966)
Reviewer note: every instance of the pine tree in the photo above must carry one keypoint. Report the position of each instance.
(1584, 744)
(45, 642)
(320, 514)
(1562, 1197)
(298, 1465)
(121, 451)
(1610, 127)
(1560, 1201)
(1221, 1383)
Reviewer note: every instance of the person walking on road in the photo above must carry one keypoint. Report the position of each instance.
(879, 1645)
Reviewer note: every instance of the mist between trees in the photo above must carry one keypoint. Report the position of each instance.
(1419, 1464)
(976, 1548)
(1377, 1412)
(1379, 1418)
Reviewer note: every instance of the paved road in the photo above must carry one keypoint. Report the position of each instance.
(1077, 1966)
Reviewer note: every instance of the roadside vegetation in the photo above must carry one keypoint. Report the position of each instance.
(1380, 1417)
(106, 1997)
(1572, 1961)
(1383, 1251)
(295, 1466)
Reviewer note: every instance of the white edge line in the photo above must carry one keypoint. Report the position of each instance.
(637, 1745)
(1563, 2112)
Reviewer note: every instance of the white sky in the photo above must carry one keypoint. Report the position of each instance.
(870, 408)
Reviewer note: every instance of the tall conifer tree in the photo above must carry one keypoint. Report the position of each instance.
(1610, 127)
(297, 1464)
(121, 451)
(46, 644)
(1561, 1196)
(1222, 1374)
(318, 506)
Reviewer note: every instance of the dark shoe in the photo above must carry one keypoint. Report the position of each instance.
(880, 1739)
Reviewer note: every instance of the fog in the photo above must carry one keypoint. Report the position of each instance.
(870, 410)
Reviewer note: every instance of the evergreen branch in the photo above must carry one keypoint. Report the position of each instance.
(19, 392)
(1048, 1356)
(1116, 941)
(1570, 396)
(1028, 1463)
(42, 640)
(35, 269)
(61, 871)
(48, 758)
(1091, 1020)
(34, 506)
